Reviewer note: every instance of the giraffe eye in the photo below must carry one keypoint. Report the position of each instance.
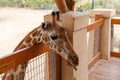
(54, 37)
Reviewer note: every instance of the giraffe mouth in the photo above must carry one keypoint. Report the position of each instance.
(73, 61)
(72, 65)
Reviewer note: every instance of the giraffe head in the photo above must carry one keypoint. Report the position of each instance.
(55, 36)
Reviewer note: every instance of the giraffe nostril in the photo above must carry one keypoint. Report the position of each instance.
(74, 59)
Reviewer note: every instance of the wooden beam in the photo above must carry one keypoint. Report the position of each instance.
(115, 20)
(115, 54)
(58, 67)
(21, 56)
(95, 25)
(94, 60)
(61, 4)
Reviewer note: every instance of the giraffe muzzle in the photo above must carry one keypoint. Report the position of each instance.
(73, 60)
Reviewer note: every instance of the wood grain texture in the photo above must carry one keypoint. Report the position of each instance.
(94, 60)
(115, 54)
(106, 70)
(115, 20)
(95, 25)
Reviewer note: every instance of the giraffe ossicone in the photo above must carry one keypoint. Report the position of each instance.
(51, 34)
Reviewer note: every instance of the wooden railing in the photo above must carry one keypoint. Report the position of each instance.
(99, 21)
(21, 56)
(114, 20)
(95, 25)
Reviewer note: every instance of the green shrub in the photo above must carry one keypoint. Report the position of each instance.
(38, 4)
(84, 7)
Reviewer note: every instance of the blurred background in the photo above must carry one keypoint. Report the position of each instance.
(81, 5)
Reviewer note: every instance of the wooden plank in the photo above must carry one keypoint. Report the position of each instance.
(21, 56)
(58, 67)
(80, 47)
(95, 25)
(94, 60)
(106, 70)
(115, 54)
(115, 20)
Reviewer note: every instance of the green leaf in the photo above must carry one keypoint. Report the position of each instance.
(74, 78)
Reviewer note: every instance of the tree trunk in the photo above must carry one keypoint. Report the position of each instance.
(61, 4)
(70, 4)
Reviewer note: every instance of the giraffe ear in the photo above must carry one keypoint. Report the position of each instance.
(43, 25)
(58, 15)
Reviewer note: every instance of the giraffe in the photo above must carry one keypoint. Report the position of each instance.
(53, 35)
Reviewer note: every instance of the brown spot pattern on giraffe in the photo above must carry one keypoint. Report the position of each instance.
(34, 41)
(28, 40)
(35, 33)
(23, 46)
(59, 50)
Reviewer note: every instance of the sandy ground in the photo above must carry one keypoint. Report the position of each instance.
(15, 23)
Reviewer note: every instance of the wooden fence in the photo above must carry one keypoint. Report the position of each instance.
(31, 54)
(115, 38)
(96, 26)
(11, 61)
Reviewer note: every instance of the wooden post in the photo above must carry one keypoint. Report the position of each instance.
(97, 17)
(70, 4)
(106, 30)
(75, 23)
(80, 46)
(61, 4)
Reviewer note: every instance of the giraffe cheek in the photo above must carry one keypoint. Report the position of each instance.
(59, 50)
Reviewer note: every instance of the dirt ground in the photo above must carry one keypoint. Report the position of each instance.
(15, 23)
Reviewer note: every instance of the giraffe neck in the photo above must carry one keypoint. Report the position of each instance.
(39, 36)
(34, 37)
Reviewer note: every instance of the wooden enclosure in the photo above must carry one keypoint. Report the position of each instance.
(114, 21)
(12, 61)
